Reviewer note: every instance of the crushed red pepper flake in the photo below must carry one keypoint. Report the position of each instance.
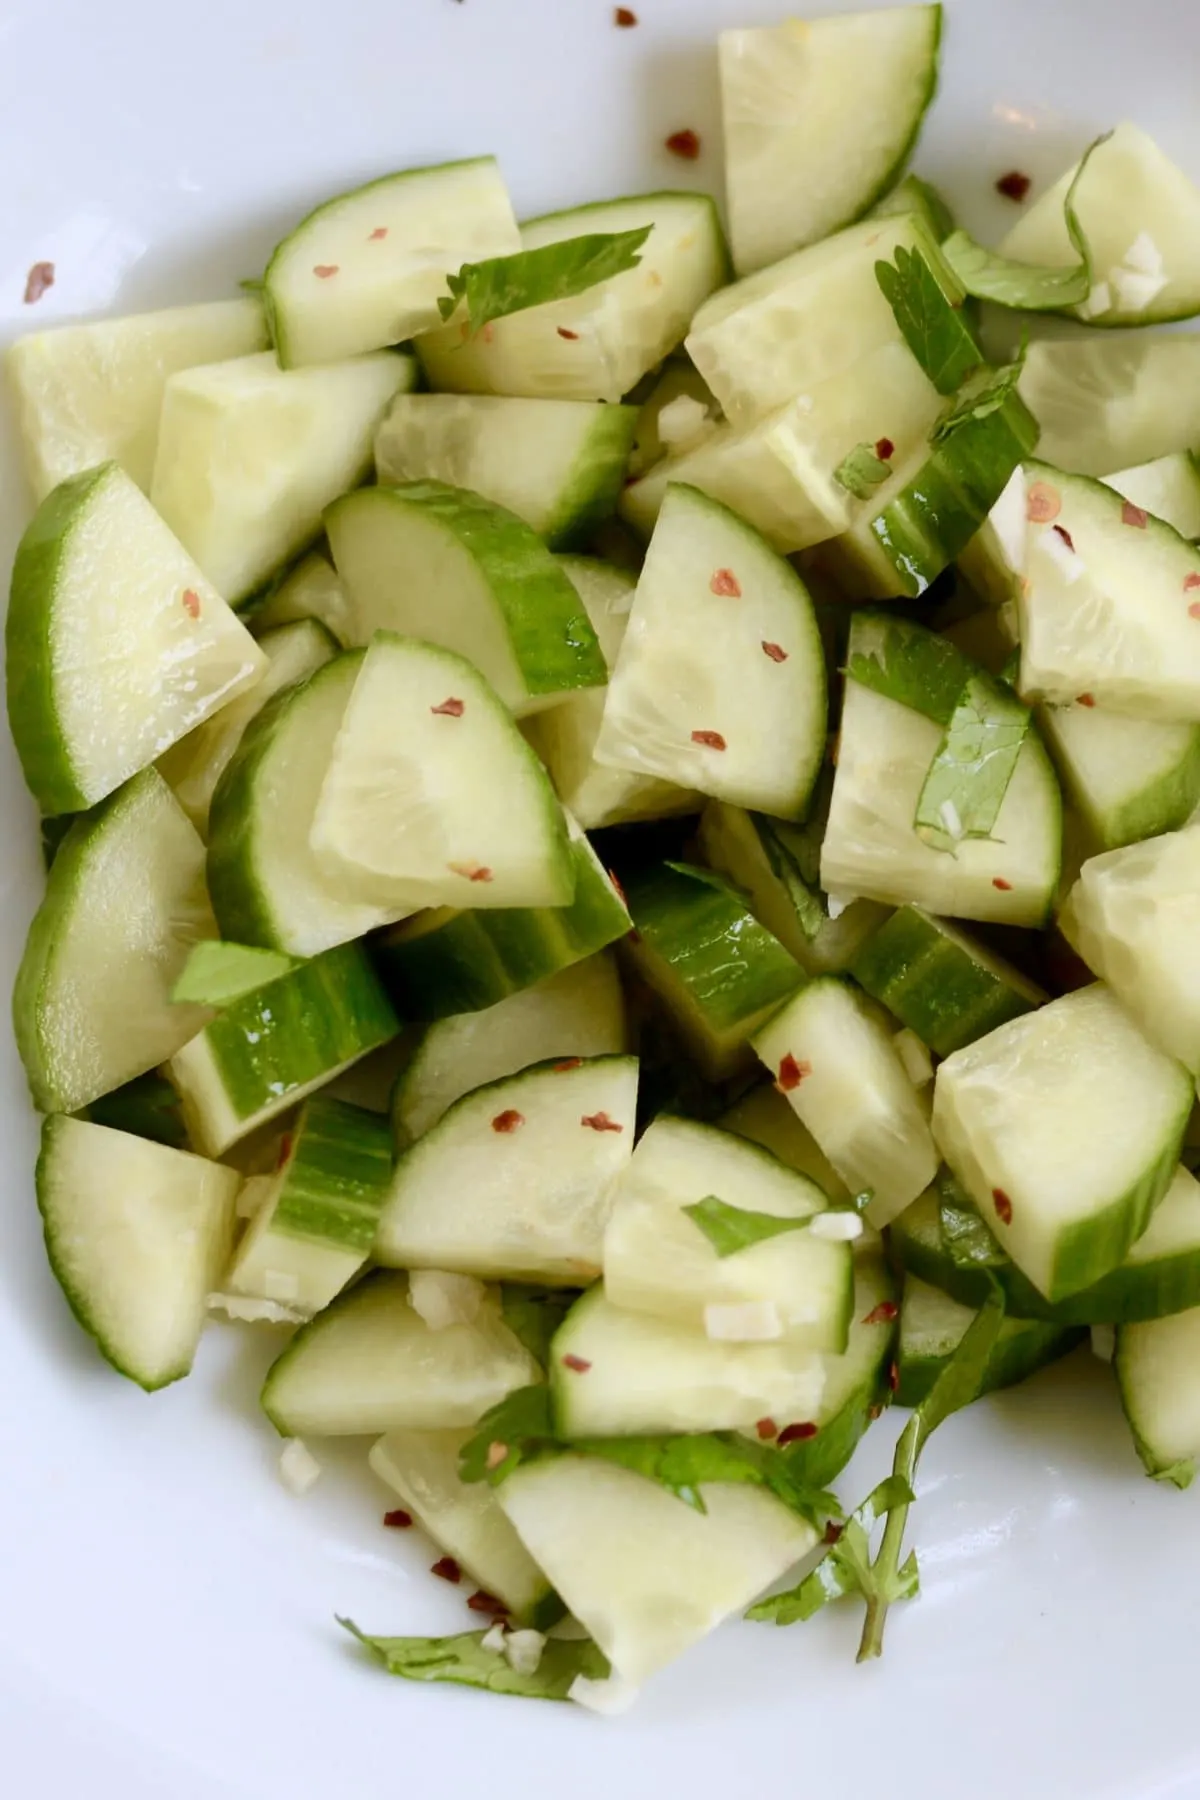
(998, 881)
(564, 331)
(684, 143)
(1042, 503)
(618, 889)
(893, 1376)
(624, 18)
(1014, 185)
(380, 231)
(579, 1364)
(724, 581)
(885, 449)
(1194, 610)
(883, 1314)
(600, 1121)
(470, 871)
(797, 1434)
(398, 1520)
(776, 652)
(1134, 515)
(191, 603)
(833, 1532)
(452, 708)
(497, 1453)
(324, 270)
(482, 1602)
(1003, 1205)
(875, 1411)
(711, 740)
(1085, 699)
(767, 1428)
(38, 280)
(1062, 532)
(791, 1073)
(1190, 582)
(508, 1120)
(447, 1570)
(285, 1149)
(568, 1062)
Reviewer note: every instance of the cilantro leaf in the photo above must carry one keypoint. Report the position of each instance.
(510, 284)
(933, 327)
(794, 857)
(463, 1659)
(968, 778)
(862, 471)
(904, 662)
(984, 393)
(733, 1228)
(520, 1425)
(217, 974)
(846, 1569)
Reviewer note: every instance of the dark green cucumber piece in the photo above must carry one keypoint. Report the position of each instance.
(939, 981)
(148, 1107)
(932, 1326)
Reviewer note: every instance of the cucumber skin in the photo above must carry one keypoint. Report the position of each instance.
(148, 1107)
(337, 1177)
(818, 1460)
(950, 1004)
(1014, 1358)
(585, 502)
(1163, 806)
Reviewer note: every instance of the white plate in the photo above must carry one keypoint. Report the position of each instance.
(166, 1608)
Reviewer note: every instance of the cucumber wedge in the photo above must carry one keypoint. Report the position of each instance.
(940, 982)
(1168, 487)
(1128, 778)
(366, 268)
(117, 645)
(124, 904)
(89, 394)
(801, 161)
(665, 428)
(311, 590)
(1109, 404)
(763, 1116)
(914, 195)
(856, 1384)
(250, 454)
(137, 1235)
(1156, 1368)
(932, 1326)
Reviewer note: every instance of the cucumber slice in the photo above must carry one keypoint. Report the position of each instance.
(196, 763)
(517, 1178)
(578, 1012)
(369, 1363)
(147, 1107)
(557, 464)
(311, 590)
(840, 1071)
(117, 645)
(316, 1225)
(89, 394)
(763, 1116)
(719, 973)
(1111, 403)
(664, 428)
(276, 1045)
(124, 904)
(137, 1236)
(940, 982)
(443, 962)
(932, 1326)
(1141, 217)
(914, 195)
(1128, 778)
(366, 268)
(720, 682)
(1156, 1368)
(599, 344)
(856, 1385)
(657, 1260)
(647, 1575)
(250, 454)
(465, 1520)
(645, 1376)
(440, 563)
(1065, 1128)
(1168, 487)
(800, 162)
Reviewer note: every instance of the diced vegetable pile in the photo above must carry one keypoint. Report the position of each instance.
(722, 754)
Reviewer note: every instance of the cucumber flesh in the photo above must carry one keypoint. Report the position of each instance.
(932, 1326)
(856, 1386)
(1128, 778)
(1109, 404)
(311, 590)
(661, 432)
(1156, 1368)
(763, 1116)
(939, 981)
(1168, 487)
(914, 195)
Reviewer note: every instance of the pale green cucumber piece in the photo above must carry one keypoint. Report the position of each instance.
(720, 683)
(1110, 403)
(117, 645)
(89, 394)
(1157, 1365)
(314, 1230)
(578, 1012)
(763, 1116)
(915, 195)
(276, 1045)
(646, 1574)
(196, 763)
(665, 428)
(249, 456)
(137, 1235)
(516, 1180)
(124, 904)
(1141, 217)
(370, 1364)
(932, 1326)
(939, 981)
(311, 590)
(217, 972)
(1168, 487)
(856, 1385)
(800, 162)
(598, 344)
(366, 269)
(444, 962)
(465, 1520)
(147, 1106)
(840, 1071)
(718, 972)
(779, 332)
(658, 1261)
(557, 464)
(1128, 778)
(440, 563)
(1064, 1126)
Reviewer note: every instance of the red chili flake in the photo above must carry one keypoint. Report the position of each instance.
(623, 17)
(776, 652)
(797, 1434)
(1085, 699)
(1194, 610)
(885, 449)
(767, 1428)
(1005, 887)
(1003, 1205)
(470, 871)
(488, 333)
(487, 1603)
(450, 709)
(620, 891)
(600, 1121)
(883, 1314)
(324, 270)
(568, 1062)
(712, 740)
(564, 331)
(285, 1149)
(893, 1376)
(39, 278)
(579, 1364)
(875, 1411)
(1062, 532)
(1014, 185)
(725, 581)
(792, 1073)
(509, 1120)
(1042, 503)
(833, 1532)
(191, 603)
(1190, 582)
(398, 1520)
(1134, 515)
(496, 1455)
(685, 144)
(380, 231)
(447, 1570)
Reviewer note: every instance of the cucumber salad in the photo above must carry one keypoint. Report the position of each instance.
(621, 816)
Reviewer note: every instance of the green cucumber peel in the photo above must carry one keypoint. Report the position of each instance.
(862, 471)
(733, 1228)
(795, 860)
(218, 973)
(932, 326)
(465, 1660)
(511, 284)
(975, 761)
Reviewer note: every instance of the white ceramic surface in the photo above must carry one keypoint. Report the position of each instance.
(166, 1608)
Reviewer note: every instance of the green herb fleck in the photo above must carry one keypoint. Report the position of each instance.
(511, 284)
(933, 327)
(733, 1228)
(463, 1659)
(975, 761)
(862, 471)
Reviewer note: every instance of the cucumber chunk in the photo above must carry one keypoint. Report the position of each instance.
(311, 590)
(1065, 1128)
(642, 1376)
(1168, 487)
(274, 1046)
(1156, 1367)
(856, 1386)
(1128, 778)
(915, 195)
(801, 161)
(647, 1575)
(720, 682)
(117, 645)
(366, 268)
(840, 1071)
(369, 1363)
(89, 394)
(250, 454)
(658, 1261)
(517, 1178)
(665, 428)
(147, 1107)
(763, 1116)
(932, 1326)
(440, 563)
(124, 904)
(939, 981)
(1109, 404)
(557, 464)
(598, 344)
(137, 1236)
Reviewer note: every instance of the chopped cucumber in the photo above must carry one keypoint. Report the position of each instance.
(856, 1386)
(1065, 1128)
(665, 428)
(137, 1235)
(370, 1363)
(657, 1260)
(517, 1178)
(250, 454)
(764, 1117)
(89, 394)
(1110, 404)
(366, 269)
(311, 590)
(275, 1046)
(941, 982)
(557, 464)
(117, 645)
(1128, 778)
(147, 1106)
(440, 563)
(124, 904)
(1168, 487)
(914, 195)
(932, 1326)
(599, 344)
(840, 1071)
(1156, 1366)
